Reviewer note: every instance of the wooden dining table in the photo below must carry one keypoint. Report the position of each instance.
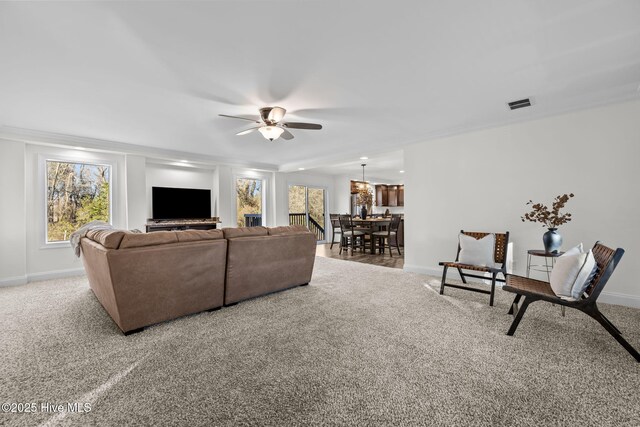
(374, 224)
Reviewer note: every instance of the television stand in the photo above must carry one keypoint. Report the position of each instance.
(181, 224)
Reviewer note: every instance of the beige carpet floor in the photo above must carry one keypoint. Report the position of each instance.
(362, 345)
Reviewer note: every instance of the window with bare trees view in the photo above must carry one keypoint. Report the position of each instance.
(77, 193)
(249, 202)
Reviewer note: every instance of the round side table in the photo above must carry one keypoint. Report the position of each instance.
(547, 266)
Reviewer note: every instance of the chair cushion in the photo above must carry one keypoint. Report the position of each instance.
(565, 272)
(384, 233)
(353, 233)
(477, 251)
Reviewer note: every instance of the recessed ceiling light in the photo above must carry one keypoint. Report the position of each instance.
(300, 169)
(401, 171)
(364, 158)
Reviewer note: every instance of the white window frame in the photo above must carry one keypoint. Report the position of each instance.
(42, 166)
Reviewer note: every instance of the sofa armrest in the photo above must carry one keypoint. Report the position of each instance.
(96, 265)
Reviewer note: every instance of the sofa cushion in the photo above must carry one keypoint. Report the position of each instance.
(136, 240)
(110, 239)
(288, 229)
(198, 235)
(230, 233)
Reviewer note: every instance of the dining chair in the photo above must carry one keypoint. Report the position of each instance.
(366, 228)
(335, 227)
(385, 237)
(350, 236)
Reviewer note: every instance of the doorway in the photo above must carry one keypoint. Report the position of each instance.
(307, 207)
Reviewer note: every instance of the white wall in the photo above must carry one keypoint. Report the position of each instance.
(482, 180)
(136, 192)
(341, 194)
(13, 264)
(224, 202)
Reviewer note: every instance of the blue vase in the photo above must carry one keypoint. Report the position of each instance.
(363, 212)
(552, 241)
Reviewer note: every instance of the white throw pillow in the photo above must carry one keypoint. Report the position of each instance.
(477, 251)
(585, 276)
(574, 250)
(565, 272)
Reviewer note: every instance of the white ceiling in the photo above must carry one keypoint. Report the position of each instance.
(384, 167)
(377, 74)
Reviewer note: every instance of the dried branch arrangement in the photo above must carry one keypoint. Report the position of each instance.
(365, 196)
(549, 218)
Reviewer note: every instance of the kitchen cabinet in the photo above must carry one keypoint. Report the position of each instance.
(382, 195)
(389, 195)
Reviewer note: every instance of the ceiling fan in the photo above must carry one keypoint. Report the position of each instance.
(271, 125)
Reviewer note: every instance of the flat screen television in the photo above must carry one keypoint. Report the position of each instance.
(180, 203)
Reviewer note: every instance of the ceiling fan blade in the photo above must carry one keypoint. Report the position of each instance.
(246, 131)
(297, 125)
(276, 114)
(241, 118)
(286, 134)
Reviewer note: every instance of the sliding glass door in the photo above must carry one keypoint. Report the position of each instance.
(307, 207)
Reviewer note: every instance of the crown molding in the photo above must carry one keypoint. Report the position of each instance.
(156, 155)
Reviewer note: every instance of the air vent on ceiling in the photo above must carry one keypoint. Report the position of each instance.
(521, 103)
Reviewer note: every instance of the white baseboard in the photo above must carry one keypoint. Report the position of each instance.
(605, 297)
(430, 271)
(56, 274)
(13, 281)
(620, 299)
(37, 277)
(437, 272)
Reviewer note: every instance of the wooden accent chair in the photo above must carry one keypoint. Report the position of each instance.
(335, 228)
(384, 237)
(350, 235)
(535, 290)
(499, 257)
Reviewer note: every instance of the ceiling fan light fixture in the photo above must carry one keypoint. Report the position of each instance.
(271, 126)
(271, 132)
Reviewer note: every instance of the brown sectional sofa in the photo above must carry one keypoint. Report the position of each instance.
(261, 260)
(146, 278)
